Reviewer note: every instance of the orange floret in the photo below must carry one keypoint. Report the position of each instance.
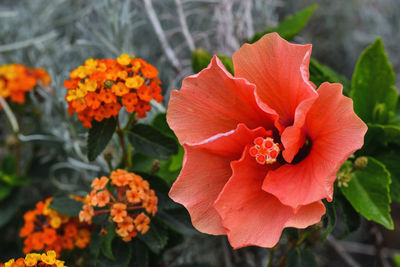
(16, 80)
(46, 229)
(127, 200)
(99, 184)
(99, 88)
(101, 199)
(118, 211)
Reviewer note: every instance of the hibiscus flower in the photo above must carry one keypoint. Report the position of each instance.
(262, 148)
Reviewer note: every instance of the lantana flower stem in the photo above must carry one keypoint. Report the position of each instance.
(120, 134)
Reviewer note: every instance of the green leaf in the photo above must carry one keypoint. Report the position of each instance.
(13, 180)
(320, 73)
(290, 26)
(300, 258)
(330, 217)
(8, 164)
(99, 136)
(9, 206)
(5, 190)
(391, 161)
(152, 142)
(368, 192)
(227, 61)
(379, 135)
(373, 91)
(140, 253)
(160, 123)
(396, 260)
(352, 218)
(107, 240)
(66, 206)
(95, 242)
(123, 253)
(157, 236)
(200, 59)
(176, 160)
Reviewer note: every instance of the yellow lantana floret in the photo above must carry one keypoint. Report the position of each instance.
(134, 82)
(49, 258)
(90, 85)
(55, 222)
(60, 263)
(124, 59)
(32, 259)
(9, 263)
(90, 65)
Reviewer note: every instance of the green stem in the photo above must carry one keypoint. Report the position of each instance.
(271, 257)
(120, 134)
(131, 120)
(290, 245)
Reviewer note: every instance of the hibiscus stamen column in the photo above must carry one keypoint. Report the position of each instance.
(265, 150)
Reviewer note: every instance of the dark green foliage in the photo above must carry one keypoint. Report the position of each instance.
(99, 136)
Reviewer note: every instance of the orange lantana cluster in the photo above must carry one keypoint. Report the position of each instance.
(98, 89)
(46, 229)
(36, 259)
(126, 200)
(16, 80)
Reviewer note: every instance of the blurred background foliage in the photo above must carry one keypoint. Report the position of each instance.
(60, 34)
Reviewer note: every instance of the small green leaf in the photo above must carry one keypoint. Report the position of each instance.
(391, 161)
(227, 61)
(368, 192)
(373, 85)
(200, 60)
(290, 26)
(379, 135)
(13, 180)
(300, 258)
(330, 217)
(176, 160)
(8, 164)
(5, 191)
(107, 240)
(160, 123)
(320, 73)
(99, 136)
(9, 206)
(66, 206)
(396, 260)
(157, 236)
(151, 142)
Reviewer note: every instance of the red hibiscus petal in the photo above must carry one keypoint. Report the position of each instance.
(206, 169)
(335, 132)
(280, 72)
(213, 102)
(251, 215)
(294, 137)
(307, 215)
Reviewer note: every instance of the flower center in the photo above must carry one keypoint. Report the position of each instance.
(265, 150)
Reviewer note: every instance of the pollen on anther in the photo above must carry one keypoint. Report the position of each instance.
(253, 151)
(258, 141)
(265, 150)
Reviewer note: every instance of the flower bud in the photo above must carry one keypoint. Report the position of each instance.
(155, 167)
(360, 163)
